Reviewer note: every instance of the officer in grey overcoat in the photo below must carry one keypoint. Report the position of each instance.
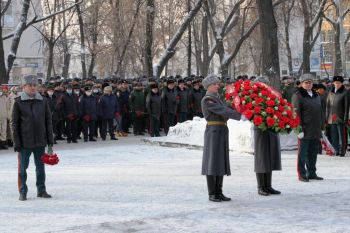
(216, 162)
(267, 155)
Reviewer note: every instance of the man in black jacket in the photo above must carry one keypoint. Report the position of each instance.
(308, 107)
(337, 114)
(32, 131)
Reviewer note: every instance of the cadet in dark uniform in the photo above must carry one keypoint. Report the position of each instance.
(216, 162)
(153, 105)
(169, 104)
(182, 97)
(196, 96)
(267, 156)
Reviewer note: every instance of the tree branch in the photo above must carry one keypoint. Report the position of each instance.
(8, 3)
(318, 15)
(36, 20)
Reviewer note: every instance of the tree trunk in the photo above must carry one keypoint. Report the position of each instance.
(338, 65)
(21, 26)
(149, 38)
(206, 59)
(3, 75)
(66, 63)
(66, 54)
(170, 50)
(82, 40)
(269, 39)
(189, 46)
(306, 50)
(50, 59)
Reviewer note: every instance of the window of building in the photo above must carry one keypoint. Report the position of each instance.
(328, 58)
(330, 36)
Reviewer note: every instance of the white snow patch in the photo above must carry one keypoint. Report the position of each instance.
(241, 135)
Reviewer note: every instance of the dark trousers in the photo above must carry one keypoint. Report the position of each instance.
(59, 129)
(339, 138)
(154, 126)
(215, 185)
(125, 122)
(88, 129)
(307, 156)
(107, 123)
(98, 126)
(23, 163)
(71, 130)
(168, 121)
(138, 124)
(182, 117)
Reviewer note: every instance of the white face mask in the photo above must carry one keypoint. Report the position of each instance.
(88, 93)
(69, 91)
(77, 92)
(95, 91)
(50, 93)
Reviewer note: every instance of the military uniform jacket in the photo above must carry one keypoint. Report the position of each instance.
(183, 100)
(169, 102)
(196, 97)
(216, 161)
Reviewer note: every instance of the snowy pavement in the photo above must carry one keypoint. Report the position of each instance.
(130, 186)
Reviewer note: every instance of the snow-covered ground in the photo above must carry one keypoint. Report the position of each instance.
(241, 135)
(130, 186)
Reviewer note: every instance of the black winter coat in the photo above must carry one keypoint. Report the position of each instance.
(108, 106)
(309, 109)
(88, 106)
(153, 104)
(196, 97)
(337, 105)
(70, 104)
(169, 102)
(31, 122)
(183, 100)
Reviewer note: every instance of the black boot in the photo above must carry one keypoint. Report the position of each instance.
(9, 143)
(268, 178)
(211, 182)
(22, 197)
(44, 195)
(218, 191)
(3, 145)
(261, 184)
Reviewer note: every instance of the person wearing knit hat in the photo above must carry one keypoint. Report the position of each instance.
(216, 162)
(337, 115)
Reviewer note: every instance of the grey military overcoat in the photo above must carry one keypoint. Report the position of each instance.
(216, 161)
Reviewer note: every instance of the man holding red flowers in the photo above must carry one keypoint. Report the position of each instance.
(307, 104)
(32, 131)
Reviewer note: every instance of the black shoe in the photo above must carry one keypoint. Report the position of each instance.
(270, 190)
(114, 138)
(303, 179)
(263, 192)
(341, 155)
(141, 134)
(103, 139)
(92, 140)
(9, 143)
(74, 141)
(69, 141)
(85, 140)
(315, 177)
(22, 197)
(54, 142)
(59, 138)
(223, 198)
(215, 198)
(44, 195)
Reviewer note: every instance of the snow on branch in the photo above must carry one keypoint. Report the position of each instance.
(170, 49)
(37, 20)
(6, 7)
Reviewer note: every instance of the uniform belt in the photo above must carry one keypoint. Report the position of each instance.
(211, 123)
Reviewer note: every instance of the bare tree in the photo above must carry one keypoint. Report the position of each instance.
(170, 50)
(149, 37)
(269, 54)
(308, 9)
(336, 21)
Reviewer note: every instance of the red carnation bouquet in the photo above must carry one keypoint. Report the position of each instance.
(263, 106)
(50, 158)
